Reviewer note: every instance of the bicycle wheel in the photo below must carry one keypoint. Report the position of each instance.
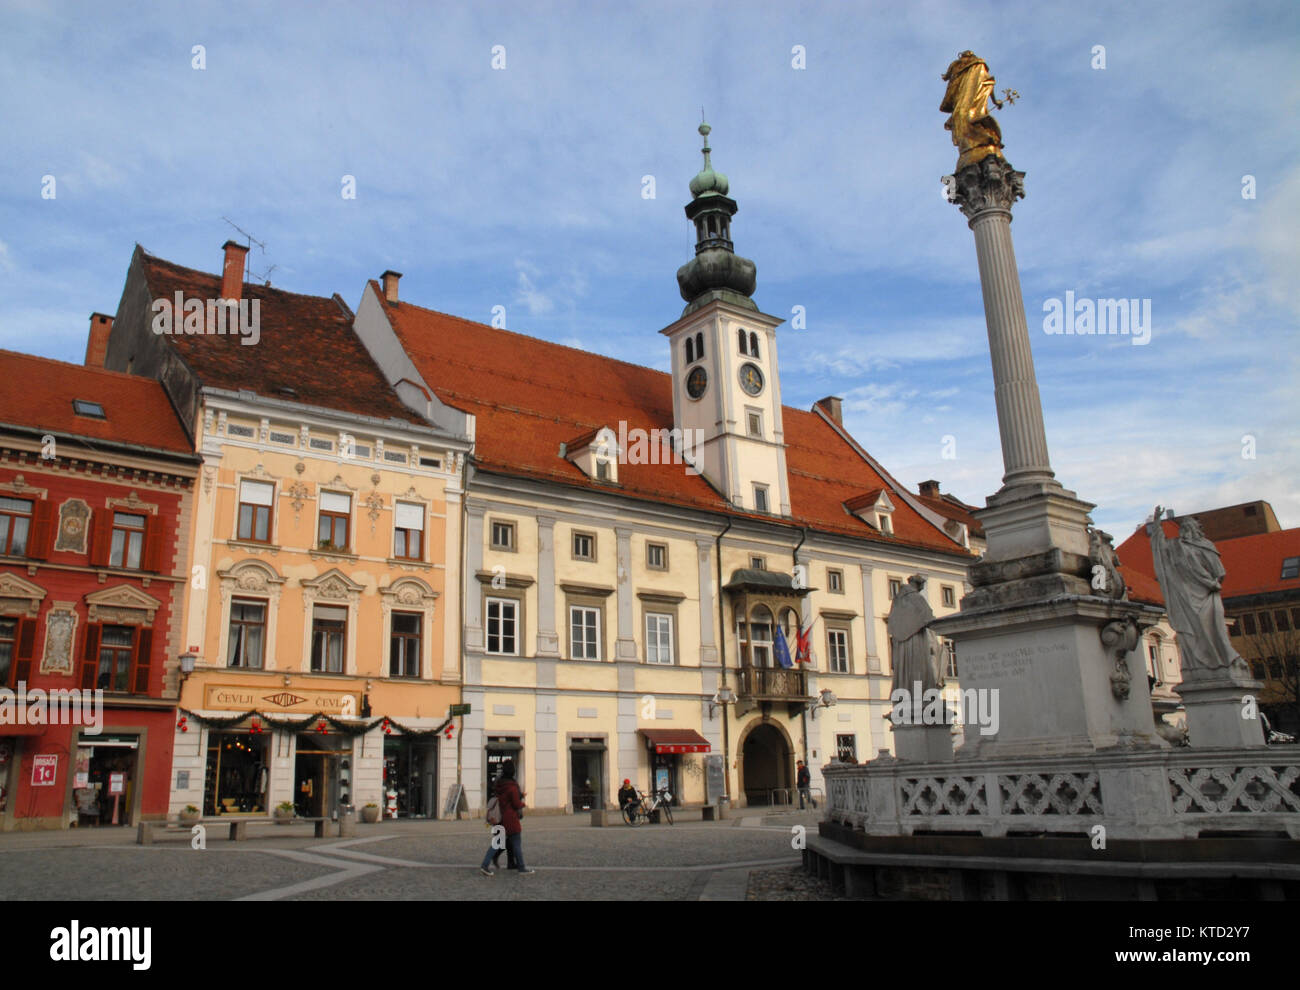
(668, 811)
(629, 815)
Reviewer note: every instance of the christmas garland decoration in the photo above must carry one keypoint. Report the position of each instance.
(319, 723)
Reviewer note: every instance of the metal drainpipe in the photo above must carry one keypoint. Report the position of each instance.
(803, 712)
(722, 660)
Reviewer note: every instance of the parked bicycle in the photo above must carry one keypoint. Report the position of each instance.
(645, 809)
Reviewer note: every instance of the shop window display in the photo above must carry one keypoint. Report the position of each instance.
(238, 774)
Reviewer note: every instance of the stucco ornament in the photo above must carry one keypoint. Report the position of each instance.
(1191, 574)
(916, 649)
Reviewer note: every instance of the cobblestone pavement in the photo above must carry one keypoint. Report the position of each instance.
(415, 861)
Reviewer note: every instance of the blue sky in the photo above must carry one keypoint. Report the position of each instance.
(522, 187)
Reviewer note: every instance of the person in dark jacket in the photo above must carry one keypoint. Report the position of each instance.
(627, 796)
(803, 779)
(511, 801)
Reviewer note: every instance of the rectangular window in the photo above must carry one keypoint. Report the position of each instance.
(758, 635)
(128, 540)
(404, 653)
(329, 629)
(335, 516)
(602, 470)
(658, 638)
(1291, 568)
(1283, 623)
(837, 648)
(754, 420)
(83, 407)
(846, 747)
(1153, 665)
(895, 586)
(835, 581)
(503, 626)
(503, 535)
(1248, 624)
(8, 648)
(950, 658)
(15, 523)
(584, 633)
(408, 531)
(758, 563)
(255, 500)
(247, 634)
(949, 596)
(1274, 668)
(656, 556)
(1257, 669)
(1265, 623)
(116, 647)
(584, 546)
(760, 498)
(886, 526)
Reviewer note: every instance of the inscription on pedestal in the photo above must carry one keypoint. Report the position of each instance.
(1011, 663)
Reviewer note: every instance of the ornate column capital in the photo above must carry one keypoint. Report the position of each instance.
(991, 184)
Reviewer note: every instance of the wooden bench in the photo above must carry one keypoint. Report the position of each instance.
(238, 827)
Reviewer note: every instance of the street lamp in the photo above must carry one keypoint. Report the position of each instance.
(825, 699)
(724, 697)
(187, 661)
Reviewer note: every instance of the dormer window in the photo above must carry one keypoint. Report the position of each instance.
(874, 508)
(84, 407)
(596, 454)
(885, 526)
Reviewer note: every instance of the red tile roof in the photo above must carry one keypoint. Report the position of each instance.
(39, 394)
(953, 508)
(306, 344)
(1253, 564)
(529, 395)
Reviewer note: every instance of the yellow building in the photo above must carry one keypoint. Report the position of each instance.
(321, 620)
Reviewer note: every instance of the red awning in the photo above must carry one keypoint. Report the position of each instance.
(22, 729)
(675, 740)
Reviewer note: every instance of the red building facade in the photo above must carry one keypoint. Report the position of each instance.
(96, 482)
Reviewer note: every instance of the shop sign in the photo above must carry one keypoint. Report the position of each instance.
(308, 701)
(117, 783)
(44, 770)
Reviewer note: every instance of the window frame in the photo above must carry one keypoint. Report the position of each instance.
(130, 650)
(335, 516)
(417, 639)
(330, 632)
(582, 534)
(254, 506)
(406, 538)
(948, 595)
(835, 581)
(6, 536)
(243, 624)
(517, 618)
(649, 563)
(844, 634)
(127, 532)
(509, 527)
(672, 638)
(766, 501)
(598, 612)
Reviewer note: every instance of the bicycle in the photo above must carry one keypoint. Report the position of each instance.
(641, 811)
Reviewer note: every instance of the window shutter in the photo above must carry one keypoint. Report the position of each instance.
(153, 544)
(39, 541)
(101, 537)
(90, 657)
(143, 660)
(26, 649)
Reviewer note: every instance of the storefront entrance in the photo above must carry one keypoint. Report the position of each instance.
(500, 749)
(322, 775)
(105, 779)
(663, 774)
(587, 774)
(410, 778)
(767, 763)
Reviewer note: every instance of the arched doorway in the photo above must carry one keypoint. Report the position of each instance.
(766, 762)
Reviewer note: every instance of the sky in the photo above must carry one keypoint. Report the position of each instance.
(500, 154)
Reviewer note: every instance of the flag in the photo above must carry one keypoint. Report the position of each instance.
(782, 649)
(803, 644)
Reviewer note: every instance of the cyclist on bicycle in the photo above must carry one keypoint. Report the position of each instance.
(628, 797)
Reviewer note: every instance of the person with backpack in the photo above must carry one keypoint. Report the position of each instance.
(506, 807)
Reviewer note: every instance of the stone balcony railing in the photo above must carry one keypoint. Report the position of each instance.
(772, 684)
(1137, 794)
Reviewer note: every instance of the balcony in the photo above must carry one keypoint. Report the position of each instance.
(772, 684)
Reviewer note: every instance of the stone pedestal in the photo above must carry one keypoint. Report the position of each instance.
(923, 743)
(1215, 711)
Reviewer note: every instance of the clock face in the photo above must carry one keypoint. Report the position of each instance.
(696, 382)
(751, 378)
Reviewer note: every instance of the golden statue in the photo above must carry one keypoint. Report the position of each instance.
(974, 131)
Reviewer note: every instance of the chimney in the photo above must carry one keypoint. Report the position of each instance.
(930, 489)
(97, 344)
(390, 278)
(232, 271)
(832, 406)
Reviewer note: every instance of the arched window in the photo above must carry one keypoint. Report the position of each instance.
(690, 351)
(699, 347)
(753, 345)
(740, 336)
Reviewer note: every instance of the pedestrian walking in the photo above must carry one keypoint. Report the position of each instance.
(510, 801)
(803, 779)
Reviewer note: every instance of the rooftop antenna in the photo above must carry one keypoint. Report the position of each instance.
(251, 241)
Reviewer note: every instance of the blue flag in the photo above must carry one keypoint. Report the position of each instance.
(782, 649)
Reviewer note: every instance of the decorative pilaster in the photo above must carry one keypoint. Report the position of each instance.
(708, 606)
(548, 641)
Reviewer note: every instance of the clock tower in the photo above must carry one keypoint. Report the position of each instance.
(726, 384)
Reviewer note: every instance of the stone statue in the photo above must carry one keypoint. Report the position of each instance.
(916, 649)
(1190, 574)
(970, 86)
(1107, 581)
